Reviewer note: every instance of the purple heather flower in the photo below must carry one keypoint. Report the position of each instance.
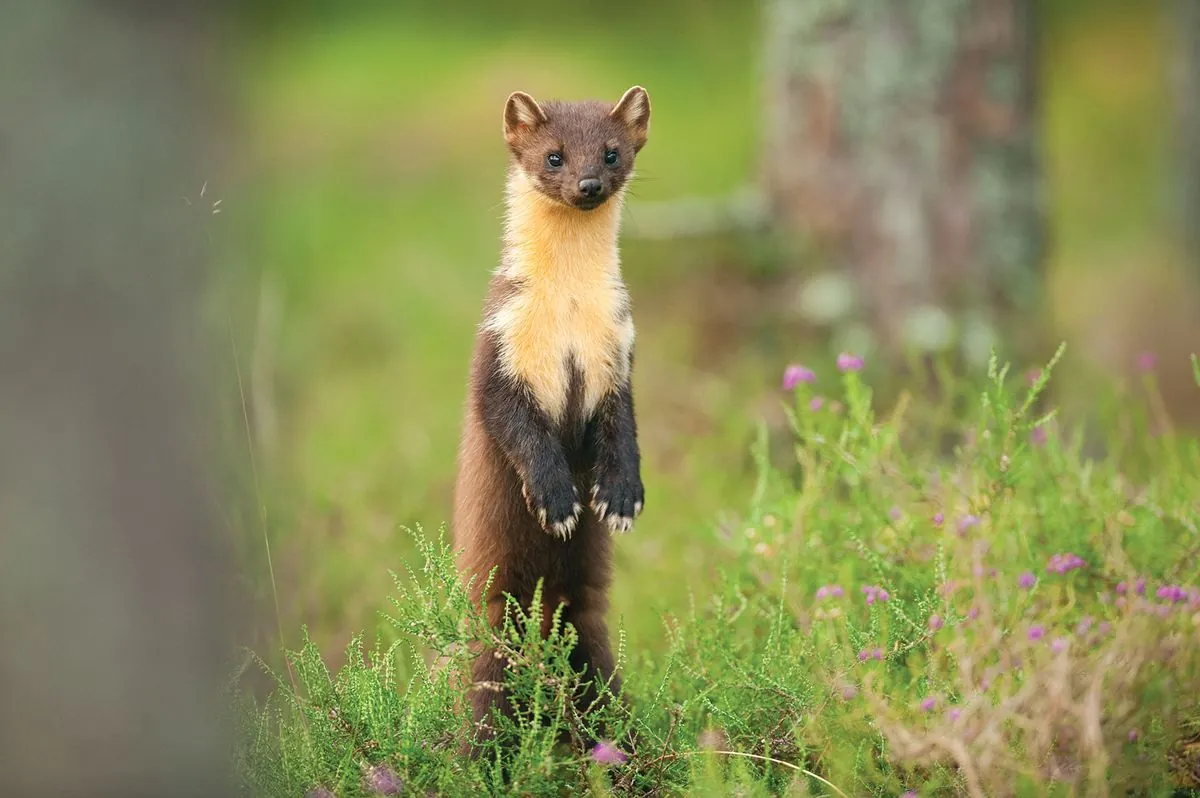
(822, 592)
(794, 374)
(1122, 588)
(849, 362)
(938, 518)
(909, 794)
(966, 522)
(1084, 626)
(1058, 645)
(973, 613)
(1037, 632)
(935, 623)
(1027, 580)
(875, 593)
(1061, 563)
(877, 654)
(1104, 628)
(894, 513)
(1038, 435)
(383, 781)
(1146, 361)
(955, 714)
(1140, 587)
(1133, 735)
(928, 704)
(863, 656)
(848, 692)
(606, 753)
(1174, 593)
(816, 403)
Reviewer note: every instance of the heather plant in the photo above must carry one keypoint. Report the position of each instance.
(1004, 616)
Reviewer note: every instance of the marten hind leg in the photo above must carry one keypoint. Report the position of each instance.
(593, 656)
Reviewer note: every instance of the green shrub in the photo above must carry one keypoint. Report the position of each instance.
(1009, 617)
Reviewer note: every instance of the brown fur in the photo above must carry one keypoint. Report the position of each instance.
(548, 465)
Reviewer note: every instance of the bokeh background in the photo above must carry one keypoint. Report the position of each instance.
(327, 179)
(366, 202)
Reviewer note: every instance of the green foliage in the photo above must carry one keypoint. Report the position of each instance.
(886, 619)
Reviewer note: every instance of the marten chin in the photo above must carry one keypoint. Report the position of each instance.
(549, 466)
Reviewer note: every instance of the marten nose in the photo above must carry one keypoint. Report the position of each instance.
(590, 186)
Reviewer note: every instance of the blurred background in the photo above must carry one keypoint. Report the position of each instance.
(819, 177)
(925, 177)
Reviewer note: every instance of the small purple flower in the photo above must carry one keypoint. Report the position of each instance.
(849, 362)
(1140, 587)
(384, 781)
(1027, 580)
(822, 593)
(894, 513)
(1059, 645)
(938, 518)
(966, 522)
(973, 613)
(935, 623)
(1122, 588)
(1038, 435)
(863, 655)
(606, 753)
(1146, 361)
(955, 714)
(1037, 632)
(794, 374)
(830, 591)
(848, 692)
(1133, 735)
(875, 593)
(1084, 626)
(816, 403)
(1176, 594)
(909, 794)
(1061, 563)
(1104, 628)
(928, 704)
(877, 654)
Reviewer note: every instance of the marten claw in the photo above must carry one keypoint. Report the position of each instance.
(617, 503)
(561, 524)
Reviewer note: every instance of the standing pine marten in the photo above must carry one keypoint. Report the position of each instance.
(549, 465)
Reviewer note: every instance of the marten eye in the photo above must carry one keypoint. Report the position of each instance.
(554, 160)
(611, 158)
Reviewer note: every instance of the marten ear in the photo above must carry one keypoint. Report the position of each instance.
(522, 114)
(633, 110)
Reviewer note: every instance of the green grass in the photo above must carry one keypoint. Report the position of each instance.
(983, 670)
(368, 201)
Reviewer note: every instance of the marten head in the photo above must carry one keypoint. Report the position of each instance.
(577, 153)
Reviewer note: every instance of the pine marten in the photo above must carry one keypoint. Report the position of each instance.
(549, 465)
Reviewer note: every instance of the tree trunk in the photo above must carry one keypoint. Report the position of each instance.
(113, 579)
(902, 152)
(1185, 21)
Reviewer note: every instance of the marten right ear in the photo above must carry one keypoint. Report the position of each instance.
(522, 115)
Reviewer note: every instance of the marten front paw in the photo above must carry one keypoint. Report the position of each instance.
(618, 499)
(555, 506)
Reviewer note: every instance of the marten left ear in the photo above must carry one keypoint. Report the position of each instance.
(633, 110)
(521, 115)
